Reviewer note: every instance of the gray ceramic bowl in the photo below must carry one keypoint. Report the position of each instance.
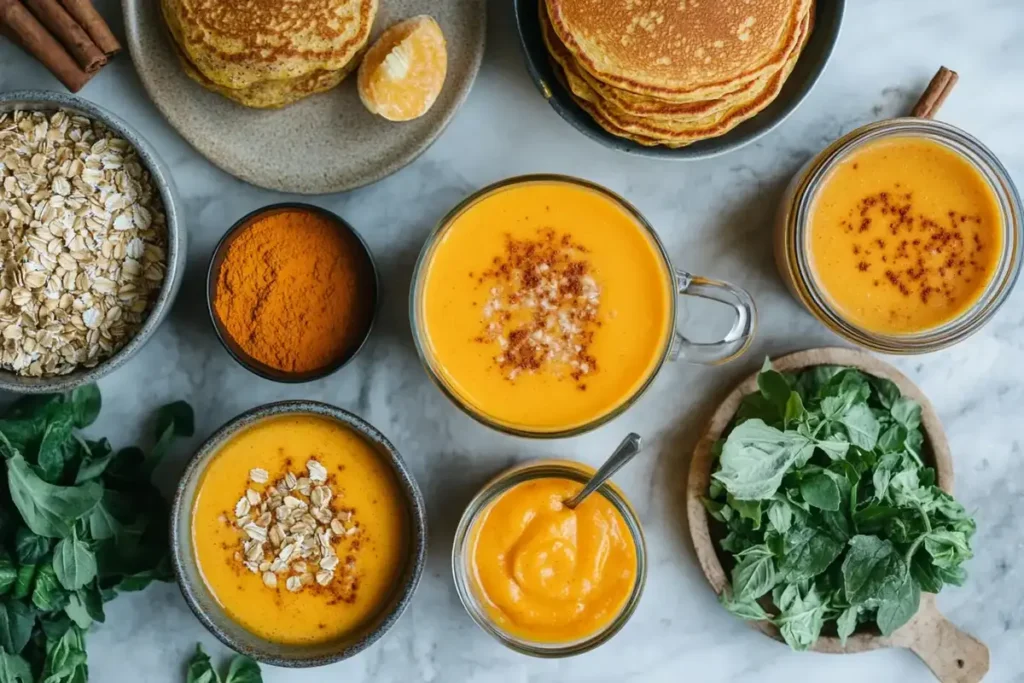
(41, 100)
(828, 19)
(205, 606)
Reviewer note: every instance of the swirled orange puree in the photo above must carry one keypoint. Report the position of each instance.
(365, 493)
(905, 235)
(547, 573)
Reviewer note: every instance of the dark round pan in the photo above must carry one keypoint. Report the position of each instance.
(828, 17)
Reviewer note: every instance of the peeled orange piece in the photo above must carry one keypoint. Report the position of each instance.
(402, 74)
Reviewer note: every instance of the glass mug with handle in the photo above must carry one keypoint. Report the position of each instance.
(481, 250)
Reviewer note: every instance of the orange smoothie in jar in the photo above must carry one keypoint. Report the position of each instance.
(905, 235)
(344, 504)
(549, 574)
(545, 305)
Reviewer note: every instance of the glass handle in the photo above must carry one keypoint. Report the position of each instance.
(736, 340)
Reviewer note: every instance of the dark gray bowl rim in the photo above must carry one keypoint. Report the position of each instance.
(163, 182)
(245, 360)
(794, 92)
(417, 512)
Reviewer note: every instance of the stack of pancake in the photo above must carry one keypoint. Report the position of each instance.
(269, 53)
(672, 72)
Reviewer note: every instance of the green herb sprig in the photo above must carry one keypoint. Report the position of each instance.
(242, 669)
(832, 514)
(79, 522)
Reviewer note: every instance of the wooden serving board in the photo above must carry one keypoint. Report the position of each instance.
(954, 656)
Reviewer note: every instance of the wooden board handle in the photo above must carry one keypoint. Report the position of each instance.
(952, 655)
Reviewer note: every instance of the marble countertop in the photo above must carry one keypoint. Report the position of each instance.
(715, 218)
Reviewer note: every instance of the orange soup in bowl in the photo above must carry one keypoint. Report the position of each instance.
(300, 530)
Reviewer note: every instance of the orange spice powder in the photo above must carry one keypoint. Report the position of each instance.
(295, 291)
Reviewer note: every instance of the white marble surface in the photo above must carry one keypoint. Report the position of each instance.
(715, 219)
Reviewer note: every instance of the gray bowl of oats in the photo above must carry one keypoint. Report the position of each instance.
(91, 250)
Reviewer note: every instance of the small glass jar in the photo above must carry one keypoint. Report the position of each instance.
(792, 254)
(462, 556)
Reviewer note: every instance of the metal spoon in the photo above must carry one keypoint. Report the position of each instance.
(629, 447)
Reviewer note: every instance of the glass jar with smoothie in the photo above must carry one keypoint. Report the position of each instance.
(545, 305)
(541, 578)
(904, 236)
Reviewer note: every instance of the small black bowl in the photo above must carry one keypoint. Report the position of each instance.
(828, 17)
(244, 359)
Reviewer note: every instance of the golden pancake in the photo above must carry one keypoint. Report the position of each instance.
(679, 50)
(239, 44)
(680, 131)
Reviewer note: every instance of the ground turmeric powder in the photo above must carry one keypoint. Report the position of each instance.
(295, 291)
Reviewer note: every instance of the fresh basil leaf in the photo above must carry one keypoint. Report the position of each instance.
(756, 407)
(899, 606)
(820, 491)
(833, 448)
(773, 387)
(29, 547)
(49, 510)
(745, 608)
(86, 403)
(74, 563)
(780, 515)
(14, 669)
(718, 511)
(861, 426)
(747, 509)
(794, 410)
(47, 593)
(846, 624)
(907, 412)
(949, 549)
(872, 566)
(756, 457)
(886, 391)
(808, 552)
(754, 573)
(893, 439)
(801, 621)
(243, 670)
(833, 408)
(16, 621)
(200, 669)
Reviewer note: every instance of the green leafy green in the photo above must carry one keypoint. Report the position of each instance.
(827, 505)
(242, 669)
(79, 523)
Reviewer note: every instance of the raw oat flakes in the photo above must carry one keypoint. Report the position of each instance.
(83, 242)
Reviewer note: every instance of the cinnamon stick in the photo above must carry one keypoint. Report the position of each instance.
(65, 29)
(25, 30)
(935, 94)
(90, 20)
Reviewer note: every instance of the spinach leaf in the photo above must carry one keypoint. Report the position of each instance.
(948, 549)
(243, 670)
(846, 624)
(77, 611)
(86, 404)
(808, 551)
(756, 457)
(861, 426)
(16, 620)
(14, 669)
(820, 491)
(30, 548)
(65, 659)
(745, 608)
(872, 567)
(907, 412)
(172, 421)
(200, 668)
(96, 462)
(74, 563)
(801, 619)
(23, 584)
(780, 515)
(49, 510)
(8, 574)
(774, 387)
(899, 606)
(754, 574)
(47, 593)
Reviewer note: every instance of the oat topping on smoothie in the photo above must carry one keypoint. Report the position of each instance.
(541, 306)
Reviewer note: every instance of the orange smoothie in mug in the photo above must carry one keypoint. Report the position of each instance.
(545, 305)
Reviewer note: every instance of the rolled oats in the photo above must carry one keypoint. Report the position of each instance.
(83, 243)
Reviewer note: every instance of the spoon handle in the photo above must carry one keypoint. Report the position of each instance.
(629, 447)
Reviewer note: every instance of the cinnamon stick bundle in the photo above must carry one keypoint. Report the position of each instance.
(64, 27)
(24, 29)
(90, 20)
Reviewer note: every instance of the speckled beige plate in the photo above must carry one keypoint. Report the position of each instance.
(326, 143)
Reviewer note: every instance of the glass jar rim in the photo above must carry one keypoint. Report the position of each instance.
(418, 281)
(493, 490)
(969, 148)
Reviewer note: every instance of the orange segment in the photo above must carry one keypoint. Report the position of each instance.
(402, 74)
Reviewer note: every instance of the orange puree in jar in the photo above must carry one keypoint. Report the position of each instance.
(905, 235)
(549, 574)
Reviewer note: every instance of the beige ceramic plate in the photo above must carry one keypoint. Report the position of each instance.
(326, 143)
(954, 656)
